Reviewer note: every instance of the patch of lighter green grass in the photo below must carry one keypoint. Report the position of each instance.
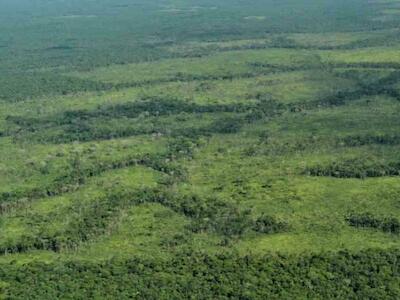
(365, 55)
(300, 243)
(140, 231)
(307, 90)
(21, 165)
(225, 45)
(52, 213)
(29, 257)
(314, 207)
(373, 115)
(57, 104)
(283, 86)
(220, 64)
(26, 166)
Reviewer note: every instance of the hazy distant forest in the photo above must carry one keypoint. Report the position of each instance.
(198, 149)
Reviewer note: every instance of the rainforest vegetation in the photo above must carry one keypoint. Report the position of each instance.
(225, 149)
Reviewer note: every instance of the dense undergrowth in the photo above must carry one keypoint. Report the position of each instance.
(194, 274)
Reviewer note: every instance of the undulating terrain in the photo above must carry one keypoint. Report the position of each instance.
(225, 149)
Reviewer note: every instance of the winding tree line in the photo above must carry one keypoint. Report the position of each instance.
(382, 86)
(78, 173)
(206, 214)
(150, 106)
(265, 68)
(17, 87)
(81, 125)
(75, 126)
(89, 220)
(14, 88)
(213, 214)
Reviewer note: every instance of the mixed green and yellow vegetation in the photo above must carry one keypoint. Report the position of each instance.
(200, 149)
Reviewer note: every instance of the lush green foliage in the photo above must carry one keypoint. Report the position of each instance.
(387, 224)
(193, 274)
(199, 149)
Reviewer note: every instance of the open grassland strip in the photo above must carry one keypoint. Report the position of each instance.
(255, 72)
